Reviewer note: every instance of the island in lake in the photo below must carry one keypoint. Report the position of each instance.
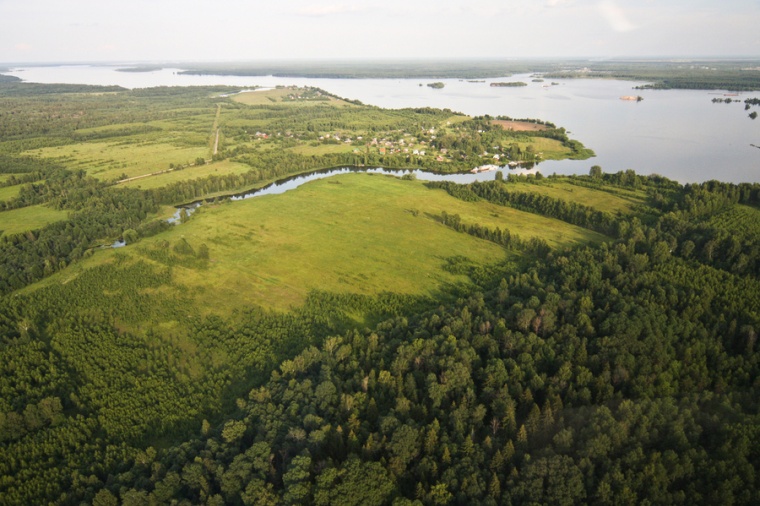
(510, 84)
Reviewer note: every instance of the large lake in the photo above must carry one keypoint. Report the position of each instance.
(680, 134)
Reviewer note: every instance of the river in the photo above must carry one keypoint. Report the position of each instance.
(680, 134)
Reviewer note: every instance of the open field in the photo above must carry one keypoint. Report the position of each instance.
(9, 192)
(550, 149)
(355, 233)
(24, 219)
(220, 168)
(110, 161)
(621, 200)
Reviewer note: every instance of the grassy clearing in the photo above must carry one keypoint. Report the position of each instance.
(9, 192)
(220, 168)
(349, 234)
(549, 149)
(21, 220)
(620, 201)
(110, 161)
(354, 233)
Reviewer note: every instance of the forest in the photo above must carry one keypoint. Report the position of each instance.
(551, 340)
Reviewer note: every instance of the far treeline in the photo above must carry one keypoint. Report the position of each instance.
(733, 75)
(737, 75)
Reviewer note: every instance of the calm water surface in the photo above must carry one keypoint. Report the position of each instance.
(680, 134)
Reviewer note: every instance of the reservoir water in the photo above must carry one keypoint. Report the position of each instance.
(680, 134)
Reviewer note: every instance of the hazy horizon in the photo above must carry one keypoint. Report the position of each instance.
(86, 31)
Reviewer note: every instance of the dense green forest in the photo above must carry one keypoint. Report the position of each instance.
(621, 369)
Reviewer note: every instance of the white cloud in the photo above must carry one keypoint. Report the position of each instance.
(616, 16)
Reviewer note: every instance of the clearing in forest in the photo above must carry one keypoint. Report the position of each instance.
(611, 200)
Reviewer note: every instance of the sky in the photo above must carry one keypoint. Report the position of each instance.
(251, 30)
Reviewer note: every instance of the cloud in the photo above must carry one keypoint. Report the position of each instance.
(22, 46)
(557, 3)
(616, 17)
(327, 10)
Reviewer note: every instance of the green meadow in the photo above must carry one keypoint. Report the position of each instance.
(24, 219)
(220, 168)
(109, 161)
(9, 192)
(608, 199)
(549, 149)
(355, 233)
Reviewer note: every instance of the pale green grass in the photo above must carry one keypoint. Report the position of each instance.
(109, 161)
(29, 218)
(9, 192)
(526, 225)
(604, 200)
(357, 236)
(548, 149)
(220, 168)
(354, 233)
